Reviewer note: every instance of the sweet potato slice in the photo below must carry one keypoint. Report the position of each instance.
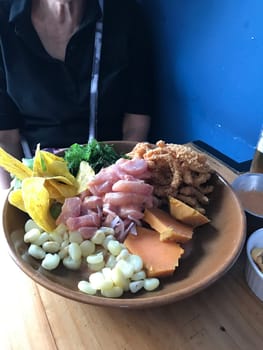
(160, 258)
(169, 228)
(186, 214)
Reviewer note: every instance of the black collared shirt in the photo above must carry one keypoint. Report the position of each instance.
(47, 99)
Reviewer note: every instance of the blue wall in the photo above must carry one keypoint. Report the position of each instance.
(209, 72)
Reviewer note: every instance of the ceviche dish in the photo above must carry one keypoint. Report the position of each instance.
(126, 220)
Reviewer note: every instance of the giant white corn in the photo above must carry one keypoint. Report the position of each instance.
(136, 262)
(151, 283)
(115, 270)
(51, 246)
(98, 237)
(51, 261)
(31, 224)
(96, 280)
(140, 275)
(86, 287)
(74, 251)
(32, 235)
(36, 251)
(106, 241)
(119, 279)
(87, 248)
(114, 292)
(71, 264)
(57, 237)
(75, 236)
(95, 258)
(135, 286)
(44, 237)
(114, 247)
(125, 267)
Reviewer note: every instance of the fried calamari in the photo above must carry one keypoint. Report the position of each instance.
(178, 171)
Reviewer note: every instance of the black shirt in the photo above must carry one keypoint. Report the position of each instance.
(47, 99)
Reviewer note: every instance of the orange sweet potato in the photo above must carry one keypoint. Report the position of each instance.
(186, 214)
(160, 258)
(169, 228)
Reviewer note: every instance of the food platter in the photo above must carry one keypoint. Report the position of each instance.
(215, 248)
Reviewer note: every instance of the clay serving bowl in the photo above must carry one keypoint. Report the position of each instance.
(216, 246)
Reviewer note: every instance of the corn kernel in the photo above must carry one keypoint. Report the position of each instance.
(51, 261)
(96, 280)
(74, 251)
(151, 284)
(71, 264)
(126, 268)
(114, 292)
(124, 254)
(140, 275)
(36, 251)
(136, 262)
(111, 261)
(44, 237)
(135, 286)
(86, 287)
(63, 253)
(119, 279)
(51, 247)
(107, 230)
(32, 235)
(60, 229)
(75, 236)
(31, 224)
(54, 236)
(107, 240)
(114, 247)
(95, 258)
(87, 248)
(98, 237)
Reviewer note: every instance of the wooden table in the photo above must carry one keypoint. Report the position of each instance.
(227, 315)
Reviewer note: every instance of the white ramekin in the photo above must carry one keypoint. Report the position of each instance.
(253, 274)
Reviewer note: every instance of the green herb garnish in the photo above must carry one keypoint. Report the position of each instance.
(97, 154)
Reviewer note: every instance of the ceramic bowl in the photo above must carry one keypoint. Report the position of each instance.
(249, 189)
(254, 276)
(216, 246)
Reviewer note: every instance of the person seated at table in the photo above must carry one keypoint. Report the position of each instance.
(70, 71)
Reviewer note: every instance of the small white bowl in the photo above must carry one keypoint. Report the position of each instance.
(253, 274)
